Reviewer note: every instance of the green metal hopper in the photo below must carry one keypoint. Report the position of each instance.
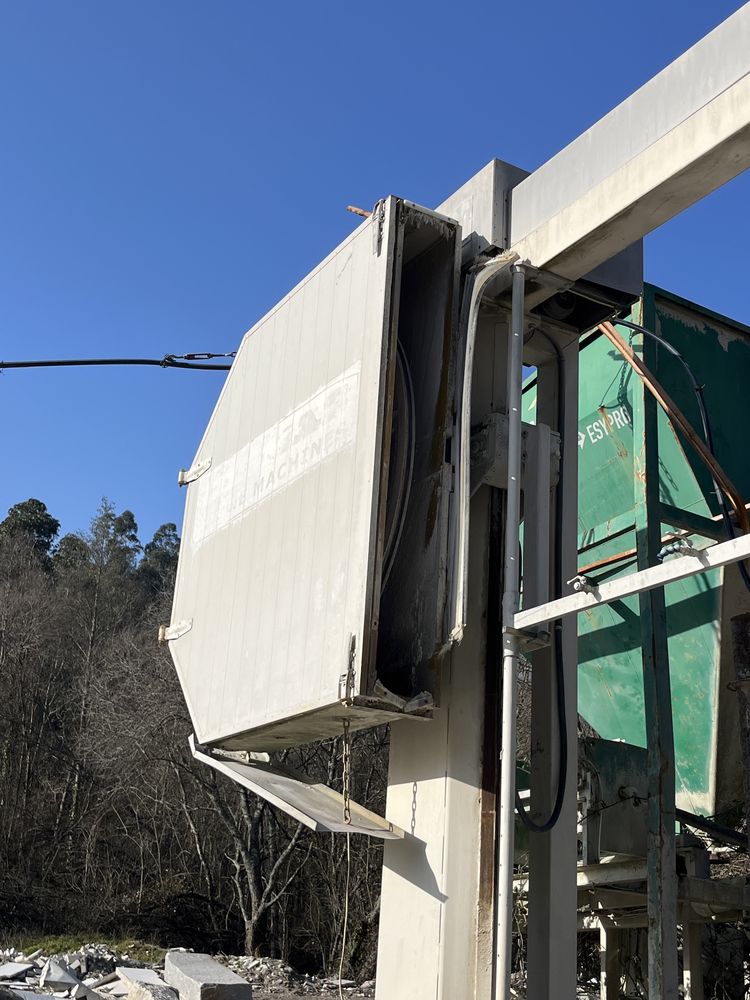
(610, 674)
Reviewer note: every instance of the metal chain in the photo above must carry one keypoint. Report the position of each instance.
(347, 772)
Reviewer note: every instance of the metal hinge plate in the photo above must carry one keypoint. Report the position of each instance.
(185, 476)
(169, 632)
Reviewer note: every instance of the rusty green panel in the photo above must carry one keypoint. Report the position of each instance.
(610, 672)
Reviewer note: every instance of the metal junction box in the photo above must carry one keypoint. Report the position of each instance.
(313, 582)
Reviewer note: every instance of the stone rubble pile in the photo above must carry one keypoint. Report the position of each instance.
(274, 976)
(94, 972)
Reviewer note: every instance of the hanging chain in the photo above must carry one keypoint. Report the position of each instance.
(347, 772)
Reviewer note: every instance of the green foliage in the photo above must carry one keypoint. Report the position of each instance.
(159, 563)
(32, 520)
(71, 553)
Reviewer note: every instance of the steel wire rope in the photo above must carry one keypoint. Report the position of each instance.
(707, 432)
(723, 486)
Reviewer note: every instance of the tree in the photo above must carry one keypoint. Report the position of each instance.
(32, 519)
(159, 564)
(71, 553)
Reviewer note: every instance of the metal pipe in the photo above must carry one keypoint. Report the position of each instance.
(493, 269)
(510, 606)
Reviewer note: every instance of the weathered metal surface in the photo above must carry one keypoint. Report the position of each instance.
(612, 781)
(610, 676)
(285, 550)
(311, 803)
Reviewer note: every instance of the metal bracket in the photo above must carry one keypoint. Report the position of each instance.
(489, 452)
(185, 476)
(529, 638)
(169, 632)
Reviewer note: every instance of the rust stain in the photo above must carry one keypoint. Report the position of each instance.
(609, 423)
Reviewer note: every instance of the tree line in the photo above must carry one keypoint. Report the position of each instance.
(107, 824)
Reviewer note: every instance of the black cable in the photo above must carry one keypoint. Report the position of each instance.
(707, 432)
(184, 361)
(562, 722)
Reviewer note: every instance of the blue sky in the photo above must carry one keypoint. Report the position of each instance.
(171, 169)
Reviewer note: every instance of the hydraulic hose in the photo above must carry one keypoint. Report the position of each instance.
(562, 722)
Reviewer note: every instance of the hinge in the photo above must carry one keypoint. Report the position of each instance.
(346, 681)
(168, 632)
(378, 225)
(185, 476)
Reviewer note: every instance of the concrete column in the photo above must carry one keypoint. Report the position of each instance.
(610, 939)
(436, 923)
(692, 961)
(435, 942)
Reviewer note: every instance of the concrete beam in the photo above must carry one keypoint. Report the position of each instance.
(682, 135)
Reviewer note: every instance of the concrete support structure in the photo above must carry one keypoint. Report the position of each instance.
(436, 925)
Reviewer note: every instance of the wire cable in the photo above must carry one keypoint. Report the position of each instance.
(720, 493)
(345, 927)
(183, 361)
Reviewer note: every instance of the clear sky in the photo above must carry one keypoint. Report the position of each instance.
(170, 169)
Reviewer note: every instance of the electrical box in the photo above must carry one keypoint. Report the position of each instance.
(314, 582)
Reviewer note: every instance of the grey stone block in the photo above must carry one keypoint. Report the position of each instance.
(14, 970)
(199, 977)
(55, 976)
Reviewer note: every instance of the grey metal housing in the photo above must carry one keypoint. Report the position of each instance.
(281, 626)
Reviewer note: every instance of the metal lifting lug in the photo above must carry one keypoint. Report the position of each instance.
(581, 583)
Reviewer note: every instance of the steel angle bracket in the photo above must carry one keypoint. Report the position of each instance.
(310, 802)
(185, 476)
(528, 639)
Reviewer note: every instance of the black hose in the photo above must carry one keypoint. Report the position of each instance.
(168, 361)
(707, 433)
(562, 722)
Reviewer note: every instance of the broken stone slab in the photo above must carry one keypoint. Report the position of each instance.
(151, 991)
(199, 977)
(14, 970)
(84, 992)
(55, 976)
(116, 989)
(131, 976)
(102, 980)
